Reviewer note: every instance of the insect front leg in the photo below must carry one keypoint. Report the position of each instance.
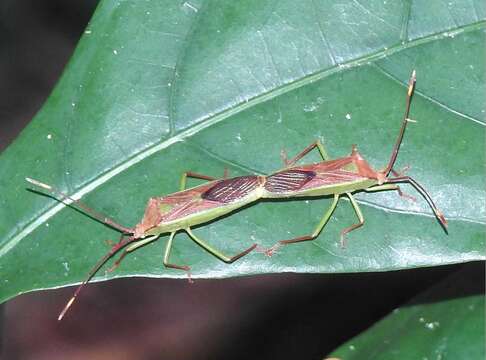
(318, 229)
(317, 144)
(217, 253)
(167, 264)
(130, 248)
(385, 187)
(355, 226)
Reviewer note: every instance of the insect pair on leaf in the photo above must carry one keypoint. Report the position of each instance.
(211, 200)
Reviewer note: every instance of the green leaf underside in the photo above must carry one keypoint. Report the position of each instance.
(428, 328)
(160, 87)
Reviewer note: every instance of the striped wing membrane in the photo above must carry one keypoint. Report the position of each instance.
(226, 191)
(288, 180)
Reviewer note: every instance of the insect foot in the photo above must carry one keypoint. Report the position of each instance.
(189, 276)
(269, 252)
(402, 172)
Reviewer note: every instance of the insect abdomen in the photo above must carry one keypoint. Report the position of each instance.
(226, 191)
(288, 180)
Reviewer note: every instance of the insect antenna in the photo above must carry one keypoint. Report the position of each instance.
(411, 87)
(93, 271)
(69, 201)
(424, 193)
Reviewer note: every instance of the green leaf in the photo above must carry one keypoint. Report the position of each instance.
(428, 328)
(157, 88)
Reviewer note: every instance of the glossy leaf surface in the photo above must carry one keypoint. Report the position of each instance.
(157, 88)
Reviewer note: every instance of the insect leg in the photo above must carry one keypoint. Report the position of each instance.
(400, 172)
(390, 187)
(217, 253)
(317, 144)
(168, 247)
(318, 229)
(193, 175)
(355, 226)
(130, 248)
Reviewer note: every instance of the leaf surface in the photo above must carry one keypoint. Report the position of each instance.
(157, 88)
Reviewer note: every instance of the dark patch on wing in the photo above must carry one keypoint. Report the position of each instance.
(226, 191)
(288, 180)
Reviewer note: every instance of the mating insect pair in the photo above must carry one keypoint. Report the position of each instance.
(203, 203)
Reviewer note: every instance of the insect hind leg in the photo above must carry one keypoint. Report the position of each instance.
(217, 253)
(183, 181)
(354, 226)
(269, 252)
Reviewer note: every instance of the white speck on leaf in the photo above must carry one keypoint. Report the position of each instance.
(49, 136)
(188, 5)
(432, 325)
(87, 32)
(314, 105)
(348, 116)
(66, 266)
(238, 136)
(310, 108)
(115, 52)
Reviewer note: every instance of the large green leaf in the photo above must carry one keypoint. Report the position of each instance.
(156, 88)
(428, 328)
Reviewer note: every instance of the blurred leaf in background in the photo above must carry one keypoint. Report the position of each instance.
(445, 322)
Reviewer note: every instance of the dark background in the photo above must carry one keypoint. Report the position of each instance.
(287, 316)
